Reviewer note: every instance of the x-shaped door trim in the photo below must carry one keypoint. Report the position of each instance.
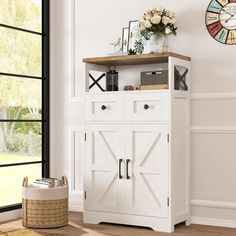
(95, 81)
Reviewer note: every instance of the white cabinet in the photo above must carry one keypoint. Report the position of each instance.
(137, 149)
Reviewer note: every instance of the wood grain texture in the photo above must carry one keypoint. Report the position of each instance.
(76, 227)
(24, 232)
(135, 59)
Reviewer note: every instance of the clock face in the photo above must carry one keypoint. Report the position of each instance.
(221, 21)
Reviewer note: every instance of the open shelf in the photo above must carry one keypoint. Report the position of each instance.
(135, 59)
(175, 68)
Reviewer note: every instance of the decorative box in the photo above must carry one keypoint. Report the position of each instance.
(158, 77)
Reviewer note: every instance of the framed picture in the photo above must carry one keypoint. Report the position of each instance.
(133, 33)
(125, 39)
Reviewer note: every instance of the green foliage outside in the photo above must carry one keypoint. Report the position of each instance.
(11, 177)
(20, 98)
(20, 52)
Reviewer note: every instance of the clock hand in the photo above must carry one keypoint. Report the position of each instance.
(227, 12)
(230, 18)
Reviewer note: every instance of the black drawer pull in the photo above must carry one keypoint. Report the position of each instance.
(120, 175)
(103, 107)
(146, 107)
(127, 168)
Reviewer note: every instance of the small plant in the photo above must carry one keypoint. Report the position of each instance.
(138, 47)
(132, 52)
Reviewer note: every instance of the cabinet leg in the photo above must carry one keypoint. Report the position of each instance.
(164, 228)
(188, 222)
(89, 219)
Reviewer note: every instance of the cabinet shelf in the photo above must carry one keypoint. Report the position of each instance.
(135, 59)
(128, 92)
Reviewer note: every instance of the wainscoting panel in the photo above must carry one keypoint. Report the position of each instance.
(214, 109)
(213, 159)
(76, 168)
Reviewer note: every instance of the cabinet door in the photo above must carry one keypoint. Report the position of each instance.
(103, 184)
(146, 185)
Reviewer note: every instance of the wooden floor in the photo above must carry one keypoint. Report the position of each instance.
(77, 228)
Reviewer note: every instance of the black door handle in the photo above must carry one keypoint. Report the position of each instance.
(127, 168)
(146, 106)
(103, 107)
(120, 176)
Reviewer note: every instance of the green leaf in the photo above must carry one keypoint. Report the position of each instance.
(132, 52)
(138, 47)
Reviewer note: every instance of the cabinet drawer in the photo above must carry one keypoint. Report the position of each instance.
(146, 107)
(104, 107)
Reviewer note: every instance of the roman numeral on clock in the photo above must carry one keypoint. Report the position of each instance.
(214, 28)
(212, 18)
(231, 37)
(223, 2)
(214, 6)
(222, 35)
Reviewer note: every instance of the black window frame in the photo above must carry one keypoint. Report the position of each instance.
(45, 77)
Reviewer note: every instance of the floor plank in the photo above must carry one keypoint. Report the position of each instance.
(76, 227)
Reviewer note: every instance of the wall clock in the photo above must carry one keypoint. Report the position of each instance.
(221, 21)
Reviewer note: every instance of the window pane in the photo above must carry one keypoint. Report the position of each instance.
(11, 182)
(20, 142)
(20, 52)
(20, 98)
(22, 13)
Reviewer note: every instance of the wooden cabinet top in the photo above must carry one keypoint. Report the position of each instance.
(135, 59)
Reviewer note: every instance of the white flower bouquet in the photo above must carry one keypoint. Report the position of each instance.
(157, 21)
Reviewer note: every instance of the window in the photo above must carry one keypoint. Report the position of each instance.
(24, 96)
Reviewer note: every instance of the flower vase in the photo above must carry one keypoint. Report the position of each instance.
(158, 43)
(165, 46)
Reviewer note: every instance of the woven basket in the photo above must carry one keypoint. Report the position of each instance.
(44, 207)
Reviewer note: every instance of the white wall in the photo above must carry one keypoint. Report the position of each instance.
(66, 110)
(84, 28)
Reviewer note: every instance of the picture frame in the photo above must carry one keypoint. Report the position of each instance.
(133, 33)
(125, 39)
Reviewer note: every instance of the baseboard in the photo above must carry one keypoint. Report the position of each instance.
(213, 222)
(213, 205)
(10, 215)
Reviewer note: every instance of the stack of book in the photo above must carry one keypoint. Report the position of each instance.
(45, 183)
